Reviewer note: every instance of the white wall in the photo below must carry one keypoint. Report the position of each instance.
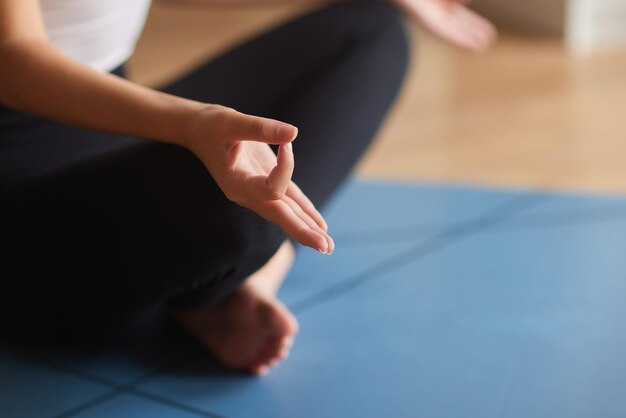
(586, 25)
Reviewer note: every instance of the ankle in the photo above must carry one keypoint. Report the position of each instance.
(268, 279)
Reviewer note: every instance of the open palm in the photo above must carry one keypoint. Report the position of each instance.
(452, 21)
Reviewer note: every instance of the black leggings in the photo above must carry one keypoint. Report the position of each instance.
(97, 226)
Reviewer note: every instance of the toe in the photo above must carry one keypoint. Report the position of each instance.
(284, 353)
(274, 363)
(267, 358)
(260, 369)
(281, 320)
(287, 342)
(292, 326)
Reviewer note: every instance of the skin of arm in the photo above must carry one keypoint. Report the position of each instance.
(37, 78)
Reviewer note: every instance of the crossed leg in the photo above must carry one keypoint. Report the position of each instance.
(120, 230)
(343, 66)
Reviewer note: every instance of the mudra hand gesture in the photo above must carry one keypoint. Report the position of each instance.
(234, 148)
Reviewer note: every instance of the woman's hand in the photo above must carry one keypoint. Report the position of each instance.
(234, 148)
(452, 21)
(37, 78)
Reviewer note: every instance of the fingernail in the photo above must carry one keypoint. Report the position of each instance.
(281, 132)
(285, 132)
(289, 147)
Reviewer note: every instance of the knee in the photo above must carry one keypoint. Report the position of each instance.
(373, 27)
(383, 24)
(378, 27)
(375, 18)
(375, 15)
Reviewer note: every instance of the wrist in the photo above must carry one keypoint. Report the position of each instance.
(175, 117)
(200, 124)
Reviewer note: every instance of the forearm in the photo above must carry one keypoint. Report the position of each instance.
(36, 78)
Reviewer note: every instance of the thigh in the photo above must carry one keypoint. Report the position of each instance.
(122, 231)
(33, 147)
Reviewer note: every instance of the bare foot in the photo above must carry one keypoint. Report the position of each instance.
(251, 329)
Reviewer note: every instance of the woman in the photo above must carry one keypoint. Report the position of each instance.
(116, 197)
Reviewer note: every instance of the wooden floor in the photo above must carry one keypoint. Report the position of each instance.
(523, 115)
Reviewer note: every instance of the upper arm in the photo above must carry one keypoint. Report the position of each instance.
(20, 20)
(21, 27)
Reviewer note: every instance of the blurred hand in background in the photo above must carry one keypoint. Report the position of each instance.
(452, 21)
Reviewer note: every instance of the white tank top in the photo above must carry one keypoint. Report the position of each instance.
(98, 33)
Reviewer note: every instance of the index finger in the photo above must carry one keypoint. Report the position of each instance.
(255, 128)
